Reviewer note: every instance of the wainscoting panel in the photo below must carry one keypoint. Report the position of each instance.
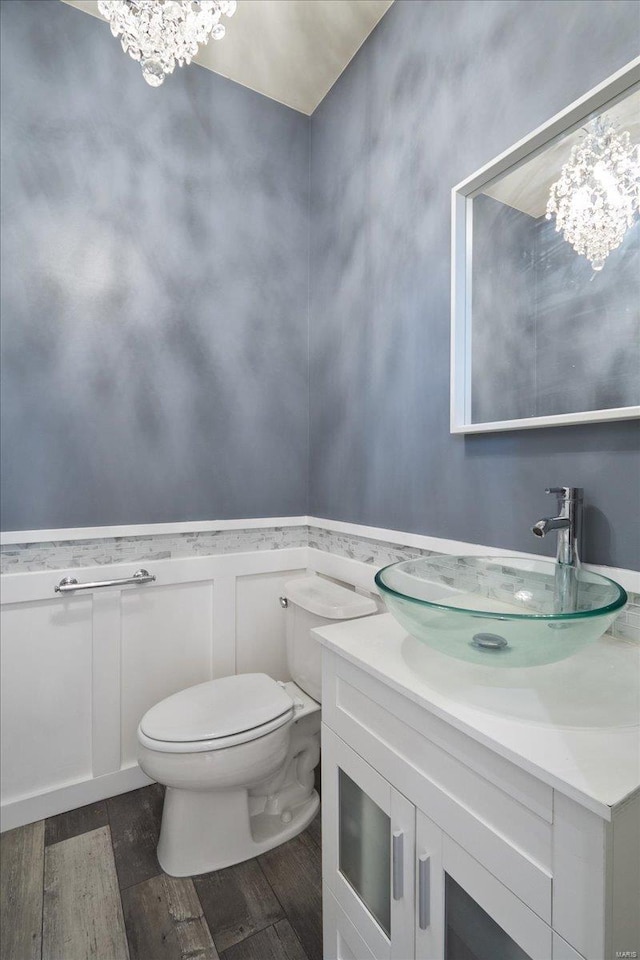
(46, 694)
(167, 645)
(79, 670)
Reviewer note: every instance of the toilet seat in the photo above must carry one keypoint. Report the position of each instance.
(216, 715)
(224, 806)
(217, 743)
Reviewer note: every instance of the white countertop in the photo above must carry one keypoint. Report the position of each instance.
(573, 724)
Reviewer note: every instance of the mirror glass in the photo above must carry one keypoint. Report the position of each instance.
(546, 334)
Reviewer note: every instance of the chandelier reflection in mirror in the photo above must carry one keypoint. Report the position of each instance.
(598, 193)
(161, 33)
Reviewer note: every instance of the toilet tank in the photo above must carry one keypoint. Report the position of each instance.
(315, 602)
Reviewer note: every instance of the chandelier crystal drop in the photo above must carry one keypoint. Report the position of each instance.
(161, 33)
(598, 193)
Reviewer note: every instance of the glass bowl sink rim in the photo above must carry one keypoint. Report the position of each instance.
(492, 614)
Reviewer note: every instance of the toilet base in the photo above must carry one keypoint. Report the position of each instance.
(205, 831)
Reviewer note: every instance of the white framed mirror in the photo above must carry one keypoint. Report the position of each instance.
(545, 295)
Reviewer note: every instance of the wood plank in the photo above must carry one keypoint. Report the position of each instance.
(237, 902)
(21, 870)
(74, 822)
(164, 921)
(294, 871)
(287, 935)
(135, 827)
(277, 942)
(82, 910)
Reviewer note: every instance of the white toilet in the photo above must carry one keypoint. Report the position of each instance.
(237, 755)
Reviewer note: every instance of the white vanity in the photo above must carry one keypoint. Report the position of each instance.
(466, 815)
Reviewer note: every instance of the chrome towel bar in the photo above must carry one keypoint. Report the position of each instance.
(69, 584)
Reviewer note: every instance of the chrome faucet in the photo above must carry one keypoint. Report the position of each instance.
(568, 523)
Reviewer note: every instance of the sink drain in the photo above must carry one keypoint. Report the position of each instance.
(489, 641)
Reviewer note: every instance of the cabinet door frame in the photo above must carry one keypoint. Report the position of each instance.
(341, 940)
(446, 856)
(336, 756)
(518, 920)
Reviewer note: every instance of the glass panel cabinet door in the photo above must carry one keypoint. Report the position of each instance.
(341, 940)
(364, 848)
(470, 933)
(463, 912)
(369, 831)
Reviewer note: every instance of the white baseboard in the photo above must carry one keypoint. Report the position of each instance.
(16, 813)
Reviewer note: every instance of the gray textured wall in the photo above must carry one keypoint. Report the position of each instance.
(154, 286)
(438, 90)
(550, 335)
(155, 281)
(587, 323)
(503, 292)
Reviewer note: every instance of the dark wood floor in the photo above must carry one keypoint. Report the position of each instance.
(87, 884)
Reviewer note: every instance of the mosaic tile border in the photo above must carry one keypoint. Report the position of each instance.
(66, 554)
(70, 554)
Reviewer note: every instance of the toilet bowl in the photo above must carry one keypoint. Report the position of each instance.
(237, 755)
(231, 793)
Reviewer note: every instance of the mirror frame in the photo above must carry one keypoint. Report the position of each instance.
(573, 116)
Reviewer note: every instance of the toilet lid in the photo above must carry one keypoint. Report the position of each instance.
(218, 708)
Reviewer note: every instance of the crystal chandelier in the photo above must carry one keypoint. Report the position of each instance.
(161, 33)
(598, 192)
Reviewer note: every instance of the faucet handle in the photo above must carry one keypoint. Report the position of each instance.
(566, 493)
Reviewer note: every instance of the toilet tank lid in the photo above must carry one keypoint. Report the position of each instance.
(327, 599)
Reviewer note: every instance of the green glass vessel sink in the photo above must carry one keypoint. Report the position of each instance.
(500, 611)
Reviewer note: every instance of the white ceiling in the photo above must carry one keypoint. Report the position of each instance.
(290, 50)
(526, 187)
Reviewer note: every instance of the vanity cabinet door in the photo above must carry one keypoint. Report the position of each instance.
(341, 940)
(463, 912)
(482, 918)
(368, 850)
